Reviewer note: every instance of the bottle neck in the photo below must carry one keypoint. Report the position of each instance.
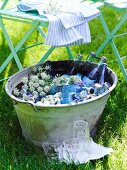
(102, 75)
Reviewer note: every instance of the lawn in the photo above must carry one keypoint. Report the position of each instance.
(18, 154)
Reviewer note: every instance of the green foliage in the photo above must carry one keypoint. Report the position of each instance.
(18, 154)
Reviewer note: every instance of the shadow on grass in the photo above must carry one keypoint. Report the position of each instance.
(113, 118)
(114, 115)
(15, 151)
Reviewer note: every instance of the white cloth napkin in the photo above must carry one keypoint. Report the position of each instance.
(73, 34)
(93, 151)
(69, 29)
(65, 28)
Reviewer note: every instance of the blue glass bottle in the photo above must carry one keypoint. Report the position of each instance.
(102, 76)
(98, 73)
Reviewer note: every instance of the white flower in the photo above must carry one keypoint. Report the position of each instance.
(38, 74)
(23, 91)
(46, 102)
(56, 100)
(42, 93)
(74, 79)
(25, 80)
(43, 75)
(42, 100)
(39, 89)
(47, 67)
(40, 69)
(60, 80)
(56, 81)
(49, 100)
(49, 97)
(35, 96)
(30, 83)
(35, 93)
(52, 6)
(36, 85)
(25, 97)
(34, 78)
(64, 78)
(25, 86)
(48, 77)
(46, 89)
(41, 82)
(57, 95)
(31, 89)
(16, 92)
(34, 69)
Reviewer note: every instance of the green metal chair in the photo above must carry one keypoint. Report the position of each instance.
(36, 21)
(111, 35)
(3, 4)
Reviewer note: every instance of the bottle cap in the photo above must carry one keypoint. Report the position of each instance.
(103, 59)
(93, 54)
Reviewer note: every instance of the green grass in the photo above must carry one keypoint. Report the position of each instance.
(18, 154)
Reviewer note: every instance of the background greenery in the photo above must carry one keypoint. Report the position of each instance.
(18, 154)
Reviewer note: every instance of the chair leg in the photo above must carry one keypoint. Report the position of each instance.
(11, 45)
(69, 53)
(41, 31)
(109, 39)
(18, 46)
(109, 34)
(46, 55)
(119, 60)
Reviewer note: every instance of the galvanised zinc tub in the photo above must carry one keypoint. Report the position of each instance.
(55, 122)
